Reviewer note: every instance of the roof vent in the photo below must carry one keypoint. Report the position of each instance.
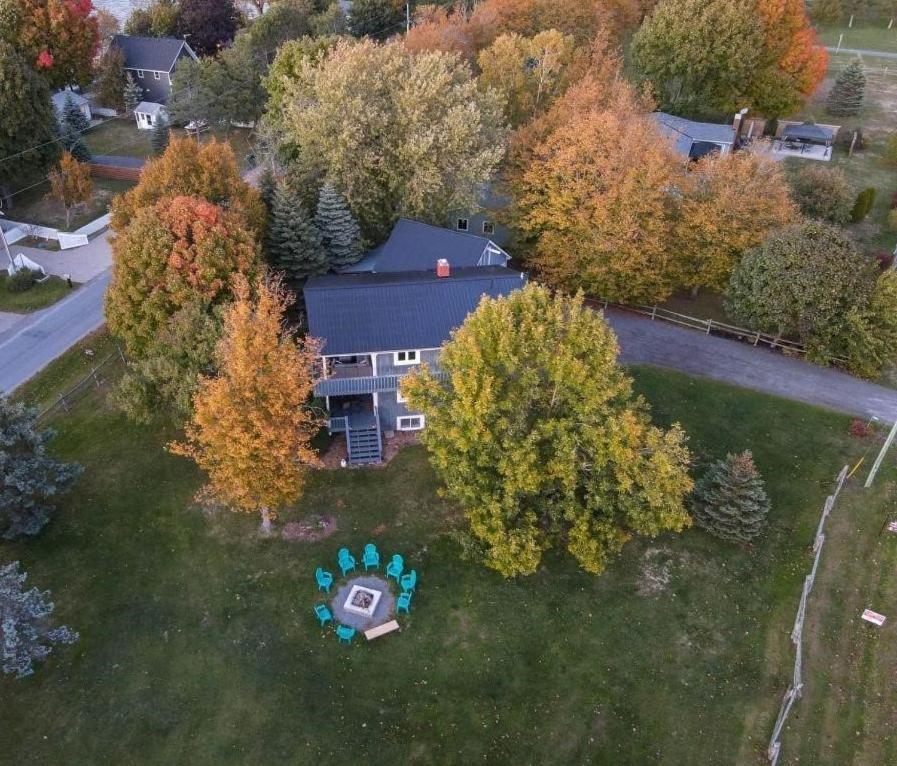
(442, 268)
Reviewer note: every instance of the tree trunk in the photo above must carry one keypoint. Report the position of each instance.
(266, 520)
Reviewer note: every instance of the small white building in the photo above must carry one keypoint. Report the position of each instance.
(148, 113)
(78, 100)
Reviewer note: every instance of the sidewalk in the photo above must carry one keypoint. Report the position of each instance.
(81, 263)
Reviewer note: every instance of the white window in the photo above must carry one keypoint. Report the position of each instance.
(406, 357)
(462, 224)
(140, 73)
(488, 228)
(157, 75)
(410, 423)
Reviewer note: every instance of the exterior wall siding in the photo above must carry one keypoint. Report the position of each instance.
(386, 362)
(389, 409)
(154, 90)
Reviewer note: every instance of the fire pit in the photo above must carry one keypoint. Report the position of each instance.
(362, 600)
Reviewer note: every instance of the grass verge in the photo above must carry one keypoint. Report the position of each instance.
(40, 296)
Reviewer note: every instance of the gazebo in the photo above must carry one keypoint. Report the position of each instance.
(795, 136)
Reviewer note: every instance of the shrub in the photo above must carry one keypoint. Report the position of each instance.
(823, 193)
(884, 259)
(863, 205)
(860, 429)
(22, 280)
(892, 220)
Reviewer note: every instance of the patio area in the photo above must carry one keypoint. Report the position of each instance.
(783, 149)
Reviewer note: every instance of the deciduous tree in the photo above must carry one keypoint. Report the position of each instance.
(110, 80)
(252, 425)
(803, 281)
(171, 254)
(30, 480)
(399, 134)
(71, 185)
(206, 170)
(26, 634)
(210, 25)
(872, 335)
(824, 193)
(28, 126)
(376, 18)
(730, 500)
(158, 19)
(534, 392)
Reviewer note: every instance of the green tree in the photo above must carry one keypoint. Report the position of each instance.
(210, 25)
(802, 282)
(823, 193)
(28, 127)
(29, 478)
(340, 233)
(161, 134)
(110, 78)
(376, 18)
(73, 123)
(827, 11)
(399, 134)
(845, 99)
(25, 631)
(294, 242)
(730, 500)
(159, 19)
(132, 94)
(863, 205)
(872, 336)
(533, 391)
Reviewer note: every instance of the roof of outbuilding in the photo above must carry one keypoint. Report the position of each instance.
(416, 246)
(155, 54)
(684, 133)
(149, 107)
(808, 131)
(60, 97)
(364, 312)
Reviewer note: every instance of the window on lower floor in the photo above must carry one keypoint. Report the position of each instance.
(410, 423)
(463, 224)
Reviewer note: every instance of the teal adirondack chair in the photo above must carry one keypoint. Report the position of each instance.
(409, 581)
(345, 560)
(370, 558)
(394, 568)
(323, 614)
(345, 634)
(403, 603)
(324, 579)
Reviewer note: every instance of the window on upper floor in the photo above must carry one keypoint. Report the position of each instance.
(140, 73)
(406, 357)
(157, 75)
(410, 422)
(463, 224)
(488, 228)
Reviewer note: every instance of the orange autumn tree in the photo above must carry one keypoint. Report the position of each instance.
(252, 426)
(70, 184)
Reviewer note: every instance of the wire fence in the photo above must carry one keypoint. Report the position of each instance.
(797, 683)
(94, 379)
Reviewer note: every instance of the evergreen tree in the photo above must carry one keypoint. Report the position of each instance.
(133, 93)
(160, 135)
(294, 242)
(730, 501)
(846, 96)
(25, 632)
(73, 116)
(73, 123)
(29, 478)
(340, 232)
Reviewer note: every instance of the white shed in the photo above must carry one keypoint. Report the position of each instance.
(78, 100)
(148, 113)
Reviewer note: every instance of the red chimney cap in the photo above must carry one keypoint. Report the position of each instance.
(443, 269)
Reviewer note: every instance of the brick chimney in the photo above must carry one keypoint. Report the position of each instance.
(442, 268)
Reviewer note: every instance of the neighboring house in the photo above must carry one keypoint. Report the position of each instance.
(483, 220)
(152, 61)
(695, 139)
(416, 246)
(79, 101)
(377, 326)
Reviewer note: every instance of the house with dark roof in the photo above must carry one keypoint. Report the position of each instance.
(382, 321)
(694, 139)
(152, 61)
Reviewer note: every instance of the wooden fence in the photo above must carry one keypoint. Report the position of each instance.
(94, 379)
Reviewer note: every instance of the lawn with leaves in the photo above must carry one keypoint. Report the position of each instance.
(39, 296)
(198, 643)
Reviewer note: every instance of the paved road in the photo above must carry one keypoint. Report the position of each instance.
(863, 52)
(643, 341)
(36, 341)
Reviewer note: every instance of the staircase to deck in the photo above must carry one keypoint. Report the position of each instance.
(364, 440)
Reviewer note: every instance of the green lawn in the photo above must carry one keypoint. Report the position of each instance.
(35, 206)
(119, 137)
(40, 296)
(198, 644)
(876, 37)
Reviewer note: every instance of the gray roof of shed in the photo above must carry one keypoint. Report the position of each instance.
(416, 246)
(60, 97)
(363, 313)
(149, 107)
(684, 132)
(155, 54)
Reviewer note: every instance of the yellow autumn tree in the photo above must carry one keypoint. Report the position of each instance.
(732, 202)
(252, 426)
(70, 184)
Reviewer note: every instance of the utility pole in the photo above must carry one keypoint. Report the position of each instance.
(881, 455)
(6, 245)
(407, 17)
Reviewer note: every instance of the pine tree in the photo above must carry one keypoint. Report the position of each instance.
(73, 116)
(846, 96)
(730, 501)
(25, 634)
(28, 477)
(72, 142)
(339, 229)
(133, 93)
(294, 242)
(160, 135)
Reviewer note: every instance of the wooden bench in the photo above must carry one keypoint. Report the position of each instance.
(381, 630)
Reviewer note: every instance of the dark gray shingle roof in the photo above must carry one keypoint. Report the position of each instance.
(808, 131)
(416, 246)
(684, 133)
(157, 54)
(361, 313)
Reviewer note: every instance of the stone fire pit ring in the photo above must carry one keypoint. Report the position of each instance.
(363, 602)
